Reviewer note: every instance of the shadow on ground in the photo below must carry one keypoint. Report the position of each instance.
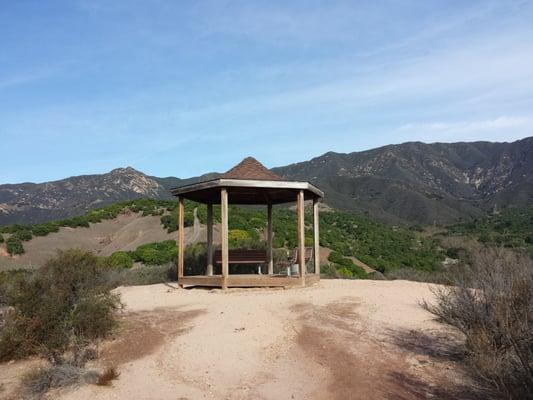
(142, 333)
(365, 364)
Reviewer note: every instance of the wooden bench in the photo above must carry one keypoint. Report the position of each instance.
(242, 257)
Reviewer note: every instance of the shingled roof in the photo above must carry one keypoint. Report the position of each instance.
(250, 168)
(249, 182)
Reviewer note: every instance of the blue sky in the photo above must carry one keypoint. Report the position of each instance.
(182, 88)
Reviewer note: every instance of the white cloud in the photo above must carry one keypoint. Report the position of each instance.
(470, 129)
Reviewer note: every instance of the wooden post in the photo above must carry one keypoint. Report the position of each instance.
(209, 270)
(181, 239)
(270, 254)
(301, 235)
(224, 234)
(316, 237)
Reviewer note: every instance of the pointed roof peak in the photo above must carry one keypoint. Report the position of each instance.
(250, 168)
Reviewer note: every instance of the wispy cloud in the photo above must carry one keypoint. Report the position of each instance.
(224, 78)
(467, 127)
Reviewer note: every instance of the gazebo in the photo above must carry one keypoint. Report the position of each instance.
(249, 183)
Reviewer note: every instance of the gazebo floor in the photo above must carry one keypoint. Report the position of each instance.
(248, 280)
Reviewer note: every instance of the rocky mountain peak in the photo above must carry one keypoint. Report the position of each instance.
(410, 183)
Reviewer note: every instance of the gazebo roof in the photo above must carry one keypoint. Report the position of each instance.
(249, 182)
(250, 168)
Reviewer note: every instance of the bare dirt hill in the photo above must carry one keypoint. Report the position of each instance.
(126, 232)
(341, 339)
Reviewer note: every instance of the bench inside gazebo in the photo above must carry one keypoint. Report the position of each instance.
(249, 183)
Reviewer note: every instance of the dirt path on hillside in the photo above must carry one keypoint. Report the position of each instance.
(338, 340)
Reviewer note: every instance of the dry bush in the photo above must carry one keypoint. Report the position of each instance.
(492, 304)
(106, 377)
(39, 381)
(142, 275)
(63, 307)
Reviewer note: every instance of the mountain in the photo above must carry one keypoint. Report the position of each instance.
(420, 183)
(172, 182)
(33, 203)
(409, 183)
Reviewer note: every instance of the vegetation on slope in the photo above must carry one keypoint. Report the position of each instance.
(20, 233)
(143, 206)
(512, 228)
(342, 267)
(382, 247)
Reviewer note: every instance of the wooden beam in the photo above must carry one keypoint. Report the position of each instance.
(248, 280)
(209, 270)
(316, 237)
(301, 235)
(224, 236)
(181, 238)
(270, 253)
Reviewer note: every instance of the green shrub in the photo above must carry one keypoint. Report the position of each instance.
(238, 238)
(344, 273)
(119, 260)
(14, 246)
(156, 253)
(170, 221)
(24, 235)
(75, 222)
(13, 228)
(328, 271)
(510, 228)
(1, 238)
(44, 229)
(64, 306)
(346, 267)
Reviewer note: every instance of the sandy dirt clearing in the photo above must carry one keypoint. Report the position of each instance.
(337, 340)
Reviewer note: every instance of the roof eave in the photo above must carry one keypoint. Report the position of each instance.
(265, 184)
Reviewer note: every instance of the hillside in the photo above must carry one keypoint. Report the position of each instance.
(418, 183)
(126, 226)
(410, 184)
(124, 233)
(509, 228)
(34, 203)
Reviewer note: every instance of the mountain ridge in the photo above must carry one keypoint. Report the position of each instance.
(408, 183)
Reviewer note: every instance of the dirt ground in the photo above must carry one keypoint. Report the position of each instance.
(341, 339)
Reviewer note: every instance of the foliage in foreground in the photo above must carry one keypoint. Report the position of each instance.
(492, 304)
(62, 307)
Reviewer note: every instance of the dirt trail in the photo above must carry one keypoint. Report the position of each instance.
(337, 340)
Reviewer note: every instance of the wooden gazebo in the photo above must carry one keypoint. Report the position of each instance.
(249, 183)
